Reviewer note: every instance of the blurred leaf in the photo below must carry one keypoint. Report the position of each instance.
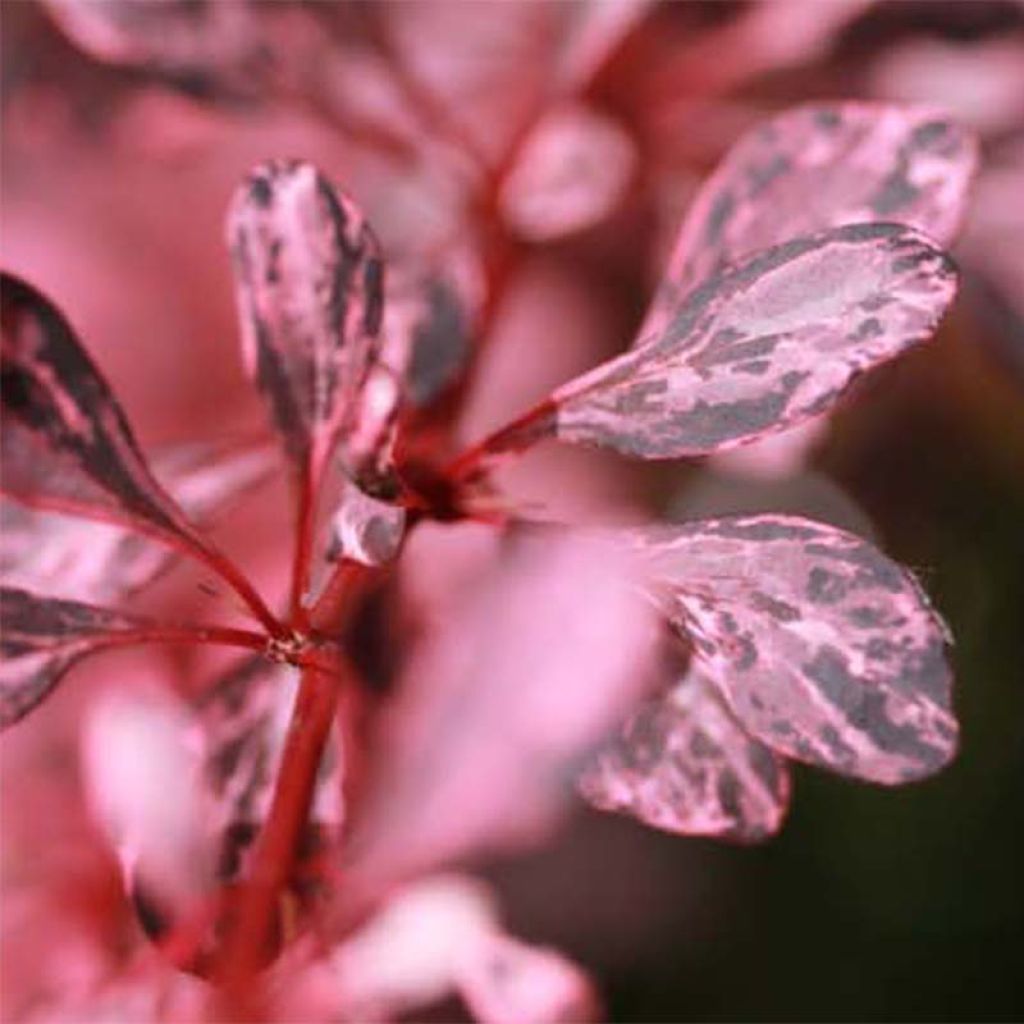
(820, 166)
(41, 550)
(244, 717)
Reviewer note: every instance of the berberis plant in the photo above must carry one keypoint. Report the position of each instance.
(675, 668)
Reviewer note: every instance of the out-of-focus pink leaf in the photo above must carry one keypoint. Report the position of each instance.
(533, 665)
(762, 346)
(684, 764)
(142, 782)
(572, 171)
(432, 939)
(42, 638)
(824, 649)
(594, 29)
(815, 167)
(66, 555)
(507, 981)
(66, 444)
(233, 48)
(243, 720)
(309, 284)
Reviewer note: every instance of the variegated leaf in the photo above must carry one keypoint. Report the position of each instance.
(42, 637)
(309, 285)
(66, 555)
(427, 323)
(244, 719)
(684, 764)
(819, 166)
(762, 346)
(66, 443)
(824, 649)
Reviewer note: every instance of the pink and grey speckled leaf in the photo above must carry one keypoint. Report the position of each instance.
(815, 167)
(69, 556)
(824, 649)
(762, 346)
(684, 764)
(309, 285)
(66, 444)
(243, 720)
(42, 638)
(428, 320)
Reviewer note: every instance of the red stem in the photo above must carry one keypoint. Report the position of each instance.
(237, 580)
(521, 433)
(158, 634)
(308, 485)
(274, 854)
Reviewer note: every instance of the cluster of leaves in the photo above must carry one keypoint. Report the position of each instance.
(813, 254)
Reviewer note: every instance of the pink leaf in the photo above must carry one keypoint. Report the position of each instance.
(821, 166)
(42, 638)
(824, 649)
(572, 172)
(309, 284)
(532, 666)
(243, 720)
(60, 554)
(762, 346)
(684, 764)
(66, 444)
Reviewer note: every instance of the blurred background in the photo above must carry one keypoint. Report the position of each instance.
(125, 129)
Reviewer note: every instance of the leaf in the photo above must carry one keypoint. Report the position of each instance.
(820, 166)
(42, 638)
(309, 285)
(684, 764)
(572, 171)
(428, 320)
(68, 556)
(66, 444)
(762, 346)
(244, 718)
(824, 649)
(532, 666)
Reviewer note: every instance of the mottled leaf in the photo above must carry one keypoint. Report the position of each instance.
(42, 638)
(428, 319)
(820, 166)
(684, 764)
(762, 346)
(66, 444)
(244, 719)
(309, 285)
(824, 649)
(69, 556)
